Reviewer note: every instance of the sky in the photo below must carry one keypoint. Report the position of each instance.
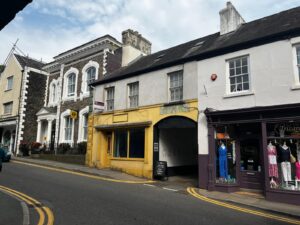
(46, 28)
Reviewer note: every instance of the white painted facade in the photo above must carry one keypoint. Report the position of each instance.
(274, 80)
(153, 87)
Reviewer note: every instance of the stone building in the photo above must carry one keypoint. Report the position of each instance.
(22, 84)
(64, 116)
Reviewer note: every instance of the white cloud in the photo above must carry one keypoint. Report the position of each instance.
(164, 22)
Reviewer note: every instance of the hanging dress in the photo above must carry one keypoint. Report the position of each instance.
(272, 156)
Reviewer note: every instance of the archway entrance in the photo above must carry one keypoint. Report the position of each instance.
(175, 141)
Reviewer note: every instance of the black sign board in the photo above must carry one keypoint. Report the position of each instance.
(160, 169)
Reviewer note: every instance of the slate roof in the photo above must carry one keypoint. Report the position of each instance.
(26, 61)
(276, 27)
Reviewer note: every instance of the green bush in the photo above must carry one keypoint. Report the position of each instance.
(63, 148)
(81, 147)
(24, 148)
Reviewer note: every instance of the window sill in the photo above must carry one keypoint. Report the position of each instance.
(73, 98)
(7, 90)
(239, 94)
(130, 109)
(295, 87)
(127, 159)
(174, 103)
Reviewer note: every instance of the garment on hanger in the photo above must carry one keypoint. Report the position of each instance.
(284, 154)
(297, 164)
(286, 171)
(272, 154)
(223, 161)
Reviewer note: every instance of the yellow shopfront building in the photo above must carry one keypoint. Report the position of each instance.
(133, 140)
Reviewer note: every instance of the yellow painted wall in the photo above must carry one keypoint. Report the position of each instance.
(97, 154)
(12, 68)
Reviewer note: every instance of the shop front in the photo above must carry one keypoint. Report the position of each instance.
(134, 140)
(256, 148)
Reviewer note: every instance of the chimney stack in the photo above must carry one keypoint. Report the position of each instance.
(230, 19)
(134, 46)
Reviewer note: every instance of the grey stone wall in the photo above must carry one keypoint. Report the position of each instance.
(35, 101)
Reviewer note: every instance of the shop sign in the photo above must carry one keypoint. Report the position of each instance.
(174, 109)
(286, 127)
(98, 106)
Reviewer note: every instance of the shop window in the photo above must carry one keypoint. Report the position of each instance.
(120, 145)
(225, 155)
(239, 74)
(136, 143)
(129, 143)
(283, 150)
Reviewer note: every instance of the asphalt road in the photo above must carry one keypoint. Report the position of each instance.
(77, 200)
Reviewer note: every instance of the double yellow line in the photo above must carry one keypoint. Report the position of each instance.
(96, 177)
(193, 192)
(41, 210)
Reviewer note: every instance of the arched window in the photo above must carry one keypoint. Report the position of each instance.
(90, 76)
(71, 84)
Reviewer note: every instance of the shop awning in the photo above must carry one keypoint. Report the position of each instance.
(123, 125)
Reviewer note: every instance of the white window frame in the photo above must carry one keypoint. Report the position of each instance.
(84, 92)
(7, 83)
(53, 101)
(107, 99)
(228, 90)
(4, 107)
(82, 113)
(65, 87)
(169, 85)
(296, 65)
(129, 95)
(62, 128)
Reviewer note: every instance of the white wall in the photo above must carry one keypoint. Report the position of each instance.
(178, 147)
(272, 76)
(153, 86)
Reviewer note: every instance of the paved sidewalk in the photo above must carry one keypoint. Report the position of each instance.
(256, 200)
(180, 184)
(84, 169)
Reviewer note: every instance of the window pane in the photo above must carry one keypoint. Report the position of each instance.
(231, 64)
(239, 87)
(245, 78)
(133, 95)
(238, 63)
(120, 145)
(246, 86)
(238, 70)
(231, 72)
(298, 55)
(244, 61)
(244, 69)
(68, 128)
(232, 88)
(239, 79)
(137, 143)
(71, 84)
(232, 80)
(85, 126)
